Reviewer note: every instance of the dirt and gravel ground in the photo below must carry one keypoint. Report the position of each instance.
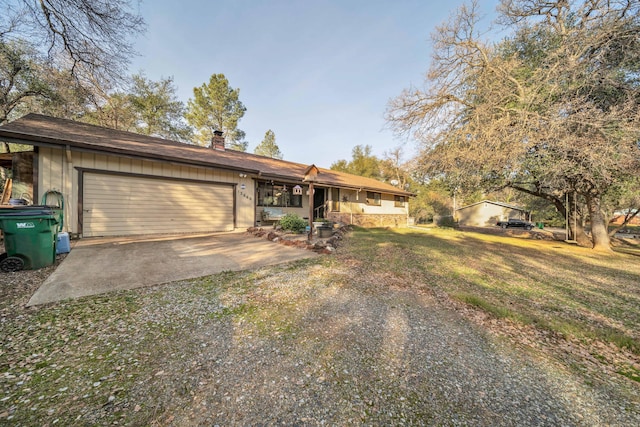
(326, 341)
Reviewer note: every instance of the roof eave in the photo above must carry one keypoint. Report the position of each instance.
(22, 137)
(41, 141)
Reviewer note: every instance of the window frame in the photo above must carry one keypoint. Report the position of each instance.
(399, 201)
(266, 189)
(374, 198)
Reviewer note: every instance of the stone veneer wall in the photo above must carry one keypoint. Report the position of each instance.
(368, 220)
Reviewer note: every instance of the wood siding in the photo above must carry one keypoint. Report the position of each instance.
(60, 170)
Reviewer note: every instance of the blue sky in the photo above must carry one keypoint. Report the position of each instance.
(317, 73)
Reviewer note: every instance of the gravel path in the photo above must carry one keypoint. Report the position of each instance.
(305, 344)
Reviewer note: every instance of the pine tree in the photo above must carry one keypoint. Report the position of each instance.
(216, 106)
(268, 146)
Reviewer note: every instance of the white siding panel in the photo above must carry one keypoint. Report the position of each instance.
(120, 205)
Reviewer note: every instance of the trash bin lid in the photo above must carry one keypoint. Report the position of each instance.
(6, 213)
(28, 208)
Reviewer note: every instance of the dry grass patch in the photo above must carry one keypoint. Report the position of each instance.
(563, 291)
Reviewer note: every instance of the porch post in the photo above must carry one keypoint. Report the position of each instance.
(310, 176)
(310, 210)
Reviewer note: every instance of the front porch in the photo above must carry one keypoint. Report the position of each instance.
(340, 205)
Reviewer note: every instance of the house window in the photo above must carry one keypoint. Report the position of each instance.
(280, 195)
(399, 201)
(374, 199)
(335, 200)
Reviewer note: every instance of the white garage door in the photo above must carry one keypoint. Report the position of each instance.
(120, 205)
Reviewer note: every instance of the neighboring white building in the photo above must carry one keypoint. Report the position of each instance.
(488, 213)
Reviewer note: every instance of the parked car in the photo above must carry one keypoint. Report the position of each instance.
(512, 222)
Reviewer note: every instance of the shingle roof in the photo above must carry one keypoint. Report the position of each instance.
(39, 130)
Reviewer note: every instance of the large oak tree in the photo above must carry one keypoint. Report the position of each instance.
(157, 108)
(23, 77)
(551, 110)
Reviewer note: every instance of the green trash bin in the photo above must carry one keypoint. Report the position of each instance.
(57, 211)
(29, 237)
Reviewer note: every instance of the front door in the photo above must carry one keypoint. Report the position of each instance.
(318, 202)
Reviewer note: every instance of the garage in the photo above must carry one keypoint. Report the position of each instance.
(115, 204)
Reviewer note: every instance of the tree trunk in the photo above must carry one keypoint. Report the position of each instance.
(599, 232)
(576, 223)
(577, 233)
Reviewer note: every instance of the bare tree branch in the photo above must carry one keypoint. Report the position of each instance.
(95, 36)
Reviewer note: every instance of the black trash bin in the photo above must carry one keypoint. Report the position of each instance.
(325, 231)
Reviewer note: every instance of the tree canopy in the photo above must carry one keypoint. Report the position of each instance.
(268, 146)
(91, 38)
(362, 163)
(29, 82)
(114, 112)
(157, 109)
(147, 107)
(23, 77)
(58, 57)
(217, 106)
(551, 110)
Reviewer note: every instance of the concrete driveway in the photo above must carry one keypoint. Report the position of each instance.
(96, 266)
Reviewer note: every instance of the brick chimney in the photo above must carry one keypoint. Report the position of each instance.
(217, 140)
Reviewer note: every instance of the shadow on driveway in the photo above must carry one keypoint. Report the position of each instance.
(96, 266)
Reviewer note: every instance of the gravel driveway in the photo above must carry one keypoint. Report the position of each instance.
(317, 342)
(346, 355)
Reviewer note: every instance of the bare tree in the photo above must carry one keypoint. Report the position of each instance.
(394, 169)
(91, 37)
(551, 111)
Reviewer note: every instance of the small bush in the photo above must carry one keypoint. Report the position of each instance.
(447, 221)
(293, 222)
